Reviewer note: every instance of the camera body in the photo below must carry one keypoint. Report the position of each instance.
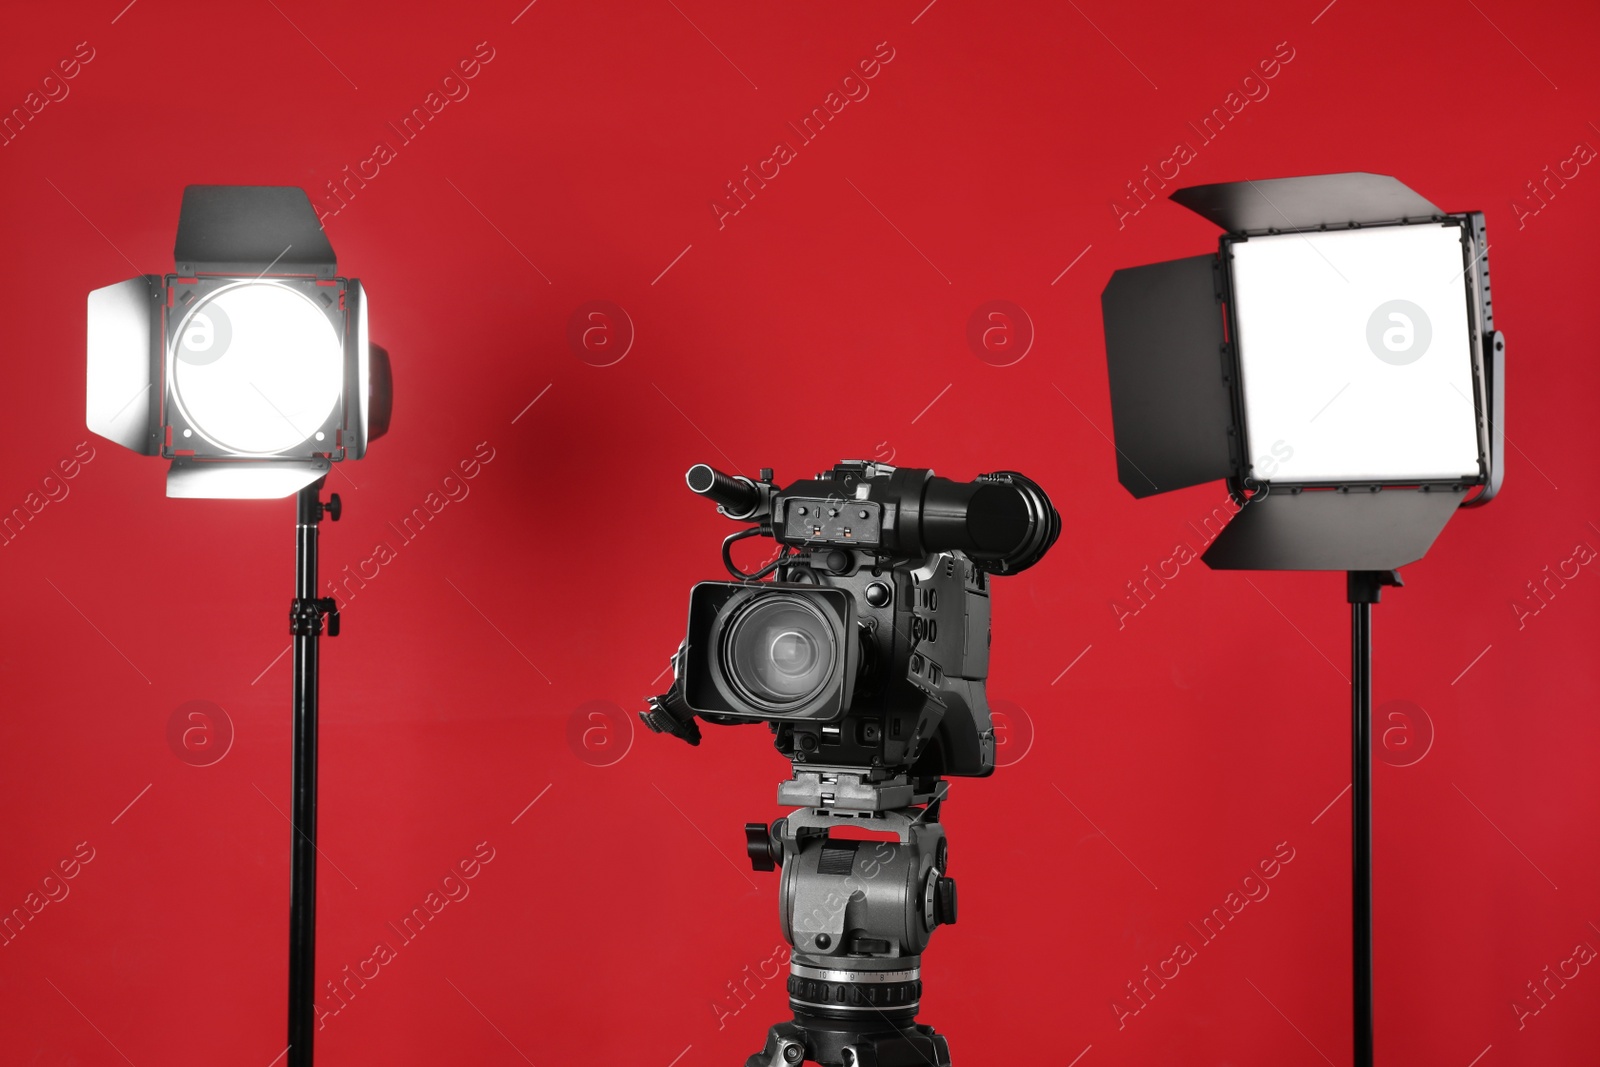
(869, 650)
(905, 686)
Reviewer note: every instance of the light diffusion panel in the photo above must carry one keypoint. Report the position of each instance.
(1355, 354)
(256, 371)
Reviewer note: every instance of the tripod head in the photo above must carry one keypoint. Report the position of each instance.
(868, 648)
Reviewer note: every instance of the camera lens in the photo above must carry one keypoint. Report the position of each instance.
(778, 651)
(794, 653)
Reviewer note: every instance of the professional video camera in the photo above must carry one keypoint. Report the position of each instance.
(866, 656)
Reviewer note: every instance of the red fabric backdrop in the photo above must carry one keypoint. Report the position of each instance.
(500, 170)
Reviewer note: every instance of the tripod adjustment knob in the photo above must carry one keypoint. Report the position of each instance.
(944, 900)
(758, 846)
(333, 508)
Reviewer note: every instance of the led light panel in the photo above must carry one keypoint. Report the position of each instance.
(256, 369)
(1355, 354)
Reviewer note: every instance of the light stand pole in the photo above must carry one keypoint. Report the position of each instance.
(1363, 588)
(305, 623)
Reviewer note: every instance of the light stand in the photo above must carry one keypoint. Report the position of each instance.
(305, 623)
(1215, 373)
(250, 369)
(1363, 589)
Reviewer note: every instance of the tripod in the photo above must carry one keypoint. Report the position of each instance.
(859, 915)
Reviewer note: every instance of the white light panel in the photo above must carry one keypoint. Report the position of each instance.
(256, 369)
(1355, 354)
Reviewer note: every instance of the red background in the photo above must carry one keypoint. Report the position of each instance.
(827, 319)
